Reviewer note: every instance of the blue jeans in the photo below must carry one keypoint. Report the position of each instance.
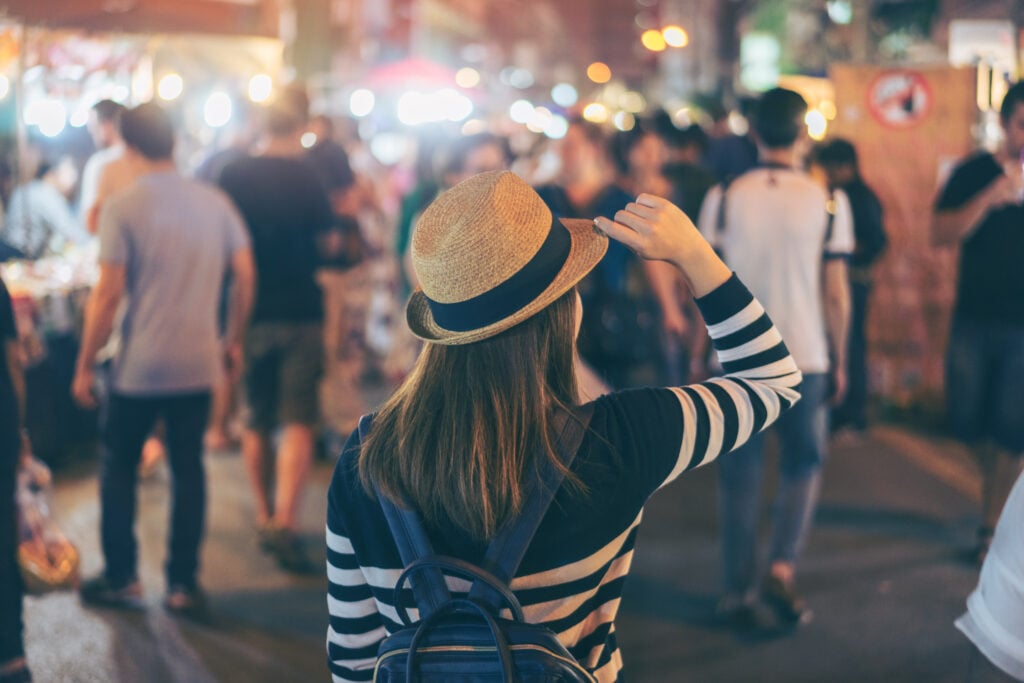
(130, 420)
(802, 433)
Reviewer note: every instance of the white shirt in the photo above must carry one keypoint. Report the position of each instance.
(994, 620)
(98, 184)
(774, 237)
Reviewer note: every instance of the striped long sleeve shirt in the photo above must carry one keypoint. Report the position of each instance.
(572, 576)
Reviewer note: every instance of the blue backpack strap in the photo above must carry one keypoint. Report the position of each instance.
(429, 589)
(507, 549)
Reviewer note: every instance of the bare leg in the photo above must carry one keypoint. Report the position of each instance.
(258, 460)
(293, 461)
(217, 438)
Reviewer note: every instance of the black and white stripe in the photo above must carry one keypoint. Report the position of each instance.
(572, 576)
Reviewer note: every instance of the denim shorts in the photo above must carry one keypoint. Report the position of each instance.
(985, 383)
(283, 366)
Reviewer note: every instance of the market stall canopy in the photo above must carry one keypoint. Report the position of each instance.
(236, 17)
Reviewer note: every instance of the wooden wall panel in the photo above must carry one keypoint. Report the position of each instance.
(915, 283)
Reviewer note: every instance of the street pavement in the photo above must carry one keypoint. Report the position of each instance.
(884, 571)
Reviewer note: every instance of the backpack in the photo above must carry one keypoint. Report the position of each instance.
(463, 639)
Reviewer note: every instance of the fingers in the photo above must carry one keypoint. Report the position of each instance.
(652, 201)
(632, 220)
(617, 231)
(642, 211)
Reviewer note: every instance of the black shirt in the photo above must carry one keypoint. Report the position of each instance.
(285, 207)
(330, 162)
(868, 230)
(991, 285)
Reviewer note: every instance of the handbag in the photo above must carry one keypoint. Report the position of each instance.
(47, 559)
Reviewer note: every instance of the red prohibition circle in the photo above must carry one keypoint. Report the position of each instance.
(900, 98)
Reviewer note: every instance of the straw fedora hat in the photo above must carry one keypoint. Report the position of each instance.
(489, 255)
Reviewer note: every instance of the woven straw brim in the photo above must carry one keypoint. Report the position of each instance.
(588, 247)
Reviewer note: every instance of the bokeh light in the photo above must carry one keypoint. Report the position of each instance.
(261, 86)
(218, 109)
(595, 112)
(675, 36)
(624, 121)
(48, 115)
(653, 40)
(467, 77)
(564, 95)
(361, 102)
(817, 124)
(308, 139)
(557, 127)
(5, 86)
(599, 72)
(170, 87)
(520, 111)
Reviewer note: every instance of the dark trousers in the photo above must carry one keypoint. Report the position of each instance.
(11, 646)
(852, 412)
(130, 420)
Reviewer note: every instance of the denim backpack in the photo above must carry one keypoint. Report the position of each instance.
(463, 639)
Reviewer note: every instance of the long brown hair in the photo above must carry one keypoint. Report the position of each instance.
(459, 437)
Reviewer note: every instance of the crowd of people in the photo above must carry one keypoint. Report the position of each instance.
(247, 288)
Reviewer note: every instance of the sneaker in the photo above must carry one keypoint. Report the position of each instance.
(287, 549)
(790, 608)
(103, 592)
(186, 602)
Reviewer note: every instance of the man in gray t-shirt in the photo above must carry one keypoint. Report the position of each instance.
(166, 245)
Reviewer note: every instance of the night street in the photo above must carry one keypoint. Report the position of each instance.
(884, 573)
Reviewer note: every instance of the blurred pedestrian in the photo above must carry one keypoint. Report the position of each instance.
(462, 442)
(838, 159)
(466, 156)
(104, 128)
(286, 209)
(166, 245)
(690, 181)
(641, 158)
(729, 154)
(235, 143)
(780, 229)
(344, 281)
(107, 173)
(994, 621)
(13, 452)
(981, 210)
(588, 187)
(39, 220)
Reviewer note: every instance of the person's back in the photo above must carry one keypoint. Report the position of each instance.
(166, 246)
(478, 409)
(285, 207)
(286, 210)
(778, 228)
(776, 231)
(177, 239)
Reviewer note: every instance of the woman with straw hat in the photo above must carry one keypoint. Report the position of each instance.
(459, 440)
